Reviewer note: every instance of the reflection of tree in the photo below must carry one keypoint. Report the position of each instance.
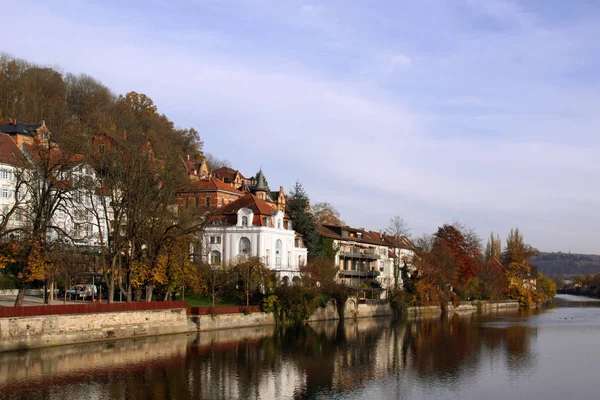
(295, 362)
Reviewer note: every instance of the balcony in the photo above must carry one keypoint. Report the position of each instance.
(359, 253)
(360, 274)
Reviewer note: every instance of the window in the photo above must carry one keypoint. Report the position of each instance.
(278, 253)
(215, 240)
(289, 259)
(101, 148)
(89, 230)
(207, 201)
(4, 173)
(267, 221)
(78, 230)
(244, 246)
(5, 193)
(222, 202)
(244, 221)
(299, 261)
(289, 225)
(278, 224)
(268, 257)
(215, 257)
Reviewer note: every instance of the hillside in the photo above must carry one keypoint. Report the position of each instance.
(558, 264)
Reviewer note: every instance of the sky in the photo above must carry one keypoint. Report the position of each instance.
(479, 111)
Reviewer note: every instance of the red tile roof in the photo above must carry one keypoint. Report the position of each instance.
(369, 237)
(9, 152)
(210, 185)
(226, 173)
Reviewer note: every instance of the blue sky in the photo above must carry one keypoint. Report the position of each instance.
(479, 111)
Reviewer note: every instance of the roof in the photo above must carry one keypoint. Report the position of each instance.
(226, 173)
(261, 184)
(368, 237)
(9, 152)
(258, 206)
(20, 128)
(210, 185)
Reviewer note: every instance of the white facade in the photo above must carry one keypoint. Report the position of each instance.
(276, 244)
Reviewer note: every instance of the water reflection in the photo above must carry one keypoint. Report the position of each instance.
(374, 358)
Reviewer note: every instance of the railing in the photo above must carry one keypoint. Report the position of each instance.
(362, 274)
(223, 310)
(360, 254)
(32, 311)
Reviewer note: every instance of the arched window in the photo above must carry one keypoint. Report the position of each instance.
(299, 261)
(244, 221)
(278, 253)
(244, 246)
(286, 281)
(215, 257)
(296, 280)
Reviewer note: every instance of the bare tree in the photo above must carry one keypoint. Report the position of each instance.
(397, 232)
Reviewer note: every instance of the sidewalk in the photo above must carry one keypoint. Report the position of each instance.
(9, 301)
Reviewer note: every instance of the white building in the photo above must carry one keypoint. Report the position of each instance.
(77, 215)
(367, 259)
(251, 226)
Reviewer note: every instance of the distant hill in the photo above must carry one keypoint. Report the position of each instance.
(559, 264)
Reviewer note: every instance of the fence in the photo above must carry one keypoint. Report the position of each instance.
(32, 311)
(223, 310)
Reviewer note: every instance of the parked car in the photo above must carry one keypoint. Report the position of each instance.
(82, 292)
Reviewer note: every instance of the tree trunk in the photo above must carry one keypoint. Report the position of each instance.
(149, 292)
(20, 296)
(166, 298)
(111, 288)
(46, 291)
(138, 295)
(51, 294)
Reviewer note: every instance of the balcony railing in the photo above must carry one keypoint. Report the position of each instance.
(367, 254)
(361, 274)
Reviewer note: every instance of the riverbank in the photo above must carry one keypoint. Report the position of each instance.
(24, 332)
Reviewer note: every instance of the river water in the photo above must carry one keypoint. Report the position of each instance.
(526, 354)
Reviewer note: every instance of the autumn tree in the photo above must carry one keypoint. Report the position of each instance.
(326, 214)
(252, 276)
(216, 278)
(459, 247)
(493, 247)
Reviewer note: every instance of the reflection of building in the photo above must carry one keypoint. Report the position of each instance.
(367, 259)
(250, 226)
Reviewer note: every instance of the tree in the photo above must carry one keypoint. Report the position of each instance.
(215, 279)
(326, 214)
(493, 247)
(214, 163)
(253, 275)
(516, 250)
(397, 231)
(298, 208)
(461, 249)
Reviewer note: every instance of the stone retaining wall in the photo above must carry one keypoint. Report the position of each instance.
(465, 307)
(203, 323)
(50, 330)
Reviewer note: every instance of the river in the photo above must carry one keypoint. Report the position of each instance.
(552, 353)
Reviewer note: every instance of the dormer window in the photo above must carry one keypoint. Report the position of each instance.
(267, 221)
(101, 148)
(244, 221)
